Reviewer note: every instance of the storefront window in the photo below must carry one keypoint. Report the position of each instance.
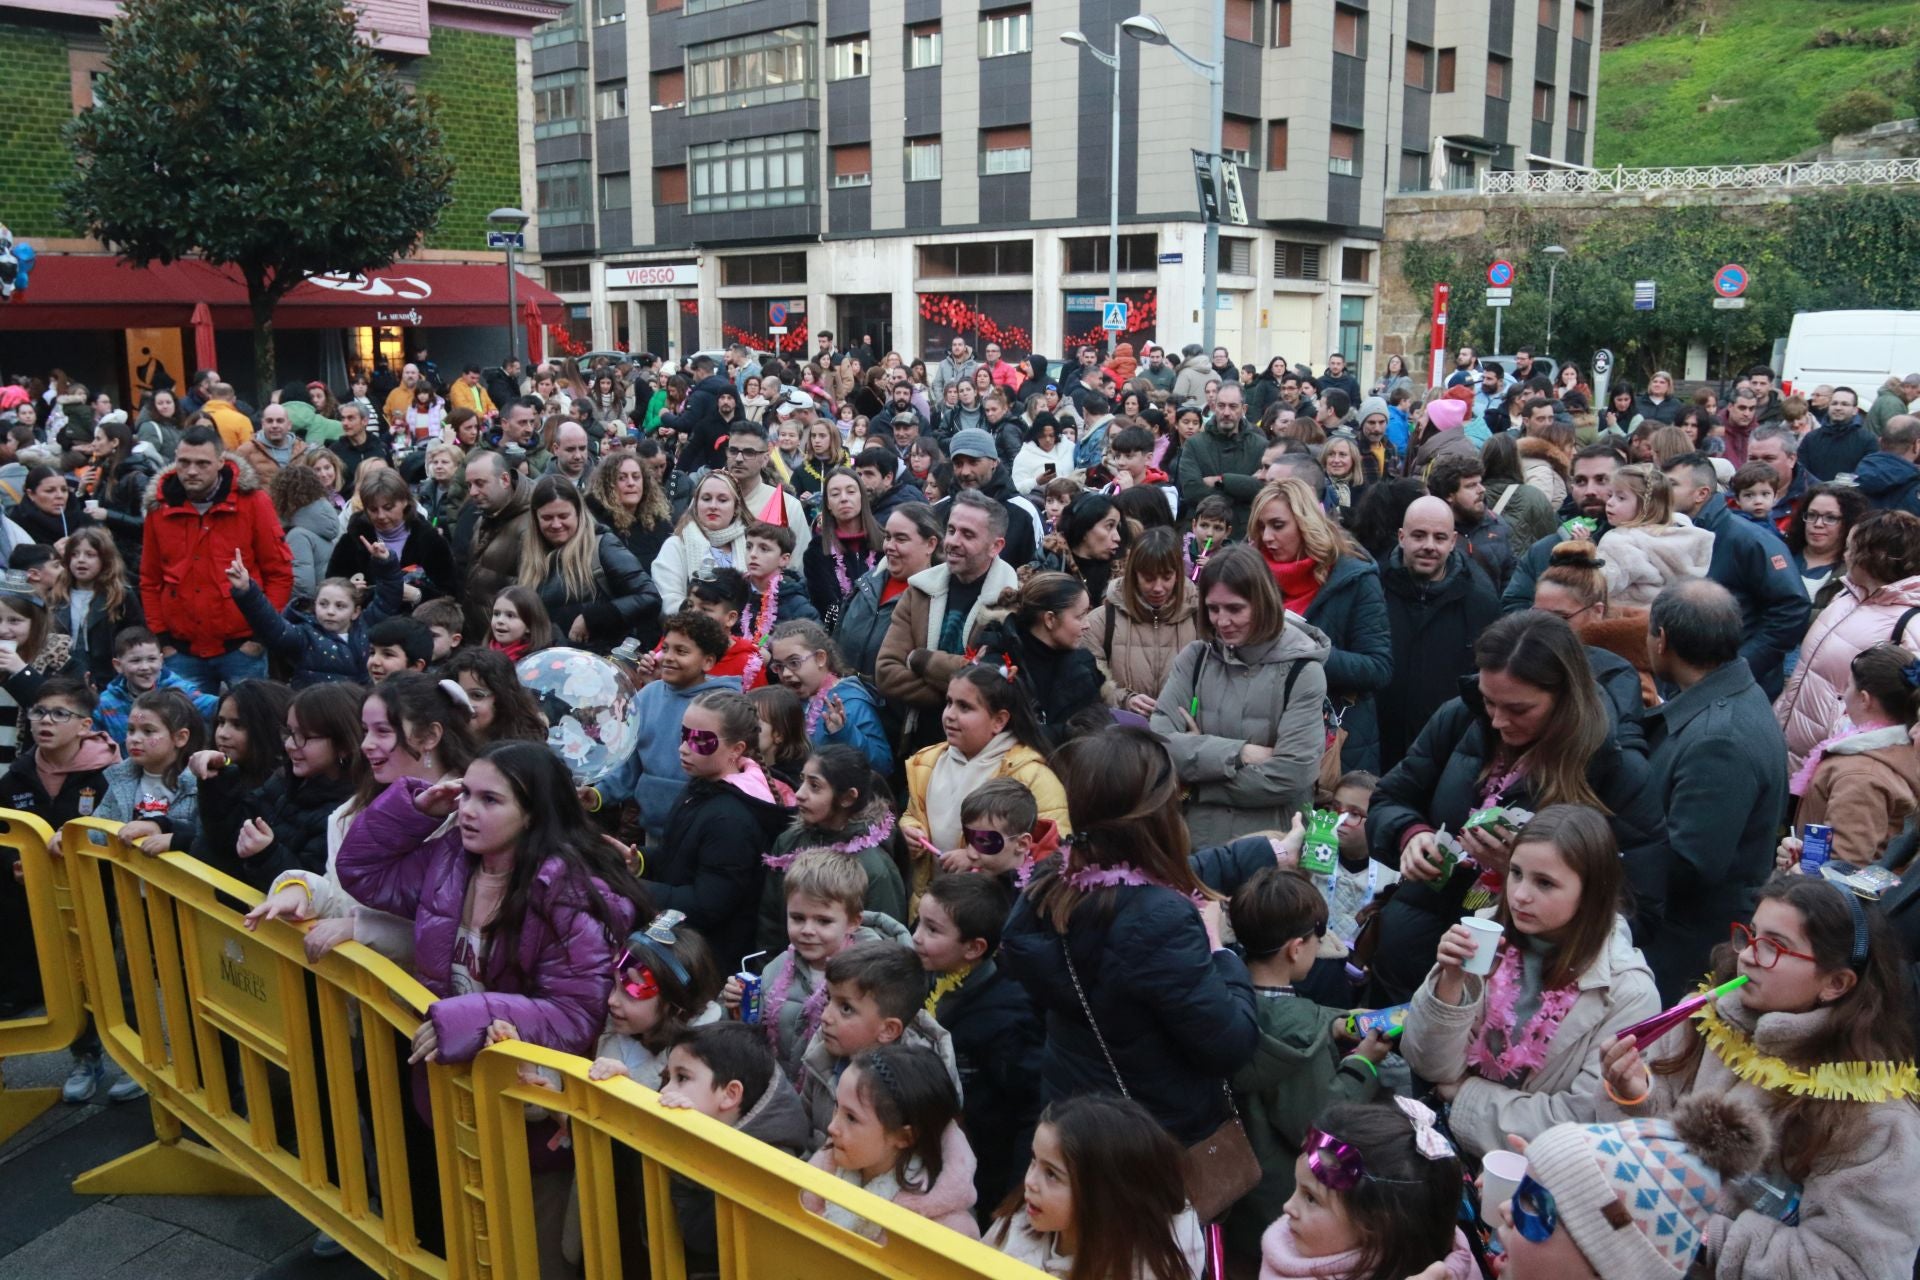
(979, 318)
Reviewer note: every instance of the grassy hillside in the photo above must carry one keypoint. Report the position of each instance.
(1748, 90)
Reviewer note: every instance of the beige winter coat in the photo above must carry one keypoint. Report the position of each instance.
(1640, 560)
(1142, 652)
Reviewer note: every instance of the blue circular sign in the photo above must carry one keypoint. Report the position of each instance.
(777, 313)
(1731, 280)
(1500, 274)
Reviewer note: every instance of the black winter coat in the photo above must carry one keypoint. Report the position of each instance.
(299, 822)
(1433, 627)
(97, 654)
(699, 425)
(1059, 683)
(126, 504)
(426, 550)
(625, 602)
(644, 543)
(1351, 609)
(997, 1042)
(225, 805)
(823, 584)
(708, 863)
(1834, 447)
(904, 491)
(1022, 543)
(790, 602)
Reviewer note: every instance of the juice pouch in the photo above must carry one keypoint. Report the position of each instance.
(1389, 1022)
(1321, 852)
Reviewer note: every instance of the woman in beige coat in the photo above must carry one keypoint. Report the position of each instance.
(1145, 623)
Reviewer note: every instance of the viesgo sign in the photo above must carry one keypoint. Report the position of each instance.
(654, 275)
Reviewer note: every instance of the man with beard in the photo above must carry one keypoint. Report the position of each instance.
(1593, 469)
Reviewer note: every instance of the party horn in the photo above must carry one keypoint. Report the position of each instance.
(1645, 1033)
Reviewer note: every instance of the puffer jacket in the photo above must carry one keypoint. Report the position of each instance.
(864, 622)
(1639, 560)
(1616, 991)
(1865, 788)
(1023, 764)
(311, 537)
(125, 503)
(1545, 468)
(1137, 653)
(319, 656)
(1217, 700)
(1351, 610)
(1808, 709)
(184, 559)
(1190, 383)
(556, 995)
(708, 861)
(624, 603)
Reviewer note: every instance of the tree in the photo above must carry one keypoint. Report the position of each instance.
(263, 135)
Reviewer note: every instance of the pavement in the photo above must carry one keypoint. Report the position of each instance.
(49, 1233)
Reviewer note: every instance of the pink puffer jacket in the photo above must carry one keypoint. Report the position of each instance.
(1808, 709)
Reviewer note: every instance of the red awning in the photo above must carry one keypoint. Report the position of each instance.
(82, 291)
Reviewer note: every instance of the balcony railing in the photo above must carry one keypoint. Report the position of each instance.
(1717, 177)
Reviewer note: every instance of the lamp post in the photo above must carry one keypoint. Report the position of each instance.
(1148, 29)
(1554, 253)
(512, 222)
(1111, 61)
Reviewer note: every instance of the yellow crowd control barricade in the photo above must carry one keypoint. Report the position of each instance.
(43, 882)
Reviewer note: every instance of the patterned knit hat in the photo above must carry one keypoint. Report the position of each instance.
(1637, 1196)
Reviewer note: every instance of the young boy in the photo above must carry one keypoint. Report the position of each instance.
(1278, 917)
(997, 1038)
(1004, 832)
(1057, 496)
(769, 553)
(443, 618)
(395, 645)
(1212, 530)
(1753, 487)
(875, 994)
(1130, 458)
(63, 775)
(723, 597)
(142, 668)
(330, 644)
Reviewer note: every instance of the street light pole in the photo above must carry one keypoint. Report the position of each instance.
(1112, 62)
(513, 222)
(1554, 253)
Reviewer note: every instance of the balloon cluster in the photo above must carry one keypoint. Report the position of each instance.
(16, 262)
(588, 702)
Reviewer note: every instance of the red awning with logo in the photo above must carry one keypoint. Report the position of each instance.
(91, 291)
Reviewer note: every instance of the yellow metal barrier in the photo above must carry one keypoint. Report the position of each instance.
(55, 951)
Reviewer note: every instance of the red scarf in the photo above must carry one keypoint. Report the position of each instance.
(1297, 584)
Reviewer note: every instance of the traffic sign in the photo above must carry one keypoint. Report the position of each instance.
(1731, 280)
(777, 314)
(1644, 292)
(1729, 304)
(1603, 361)
(1501, 293)
(506, 240)
(1497, 299)
(1113, 315)
(1500, 274)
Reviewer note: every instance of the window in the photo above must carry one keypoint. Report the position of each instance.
(1550, 14)
(605, 11)
(610, 101)
(1006, 33)
(1282, 24)
(669, 89)
(1236, 256)
(923, 159)
(670, 185)
(1008, 150)
(1236, 139)
(764, 268)
(1356, 266)
(1419, 66)
(86, 68)
(557, 103)
(1353, 323)
(561, 194)
(1087, 255)
(1413, 171)
(573, 279)
(853, 166)
(1343, 152)
(1349, 31)
(616, 191)
(1240, 20)
(1276, 145)
(1542, 103)
(1576, 113)
(977, 258)
(749, 71)
(1443, 72)
(751, 173)
(849, 59)
(923, 46)
(1583, 22)
(663, 6)
(1499, 77)
(1293, 260)
(701, 6)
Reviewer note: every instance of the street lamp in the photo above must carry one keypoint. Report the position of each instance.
(1554, 253)
(1112, 62)
(512, 221)
(1147, 29)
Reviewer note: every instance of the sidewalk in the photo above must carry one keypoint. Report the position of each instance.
(49, 1233)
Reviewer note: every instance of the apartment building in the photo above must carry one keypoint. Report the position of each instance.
(903, 170)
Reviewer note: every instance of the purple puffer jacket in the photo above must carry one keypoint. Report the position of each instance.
(559, 996)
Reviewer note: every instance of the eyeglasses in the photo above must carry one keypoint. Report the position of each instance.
(58, 715)
(733, 452)
(1535, 1216)
(1766, 952)
(984, 841)
(1821, 517)
(298, 741)
(1338, 1165)
(702, 742)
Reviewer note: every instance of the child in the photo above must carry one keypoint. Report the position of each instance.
(1005, 835)
(876, 993)
(840, 708)
(1648, 544)
(841, 808)
(722, 595)
(1376, 1192)
(783, 732)
(152, 791)
(30, 651)
(63, 775)
(142, 668)
(1056, 496)
(519, 624)
(665, 981)
(1102, 1197)
(997, 1038)
(709, 536)
(775, 591)
(395, 645)
(675, 673)
(444, 618)
(1754, 487)
(1864, 782)
(92, 599)
(1212, 530)
(1279, 917)
(1358, 879)
(893, 1132)
(707, 863)
(1130, 457)
(502, 707)
(332, 644)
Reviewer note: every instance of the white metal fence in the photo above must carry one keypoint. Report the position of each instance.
(1718, 177)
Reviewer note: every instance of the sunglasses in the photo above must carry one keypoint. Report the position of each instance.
(1535, 1216)
(985, 843)
(1338, 1165)
(702, 742)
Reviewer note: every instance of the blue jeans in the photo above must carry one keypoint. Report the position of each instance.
(210, 674)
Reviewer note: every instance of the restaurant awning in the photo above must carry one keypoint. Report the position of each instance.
(95, 291)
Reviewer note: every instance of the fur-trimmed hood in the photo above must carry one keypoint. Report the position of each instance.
(1542, 450)
(240, 477)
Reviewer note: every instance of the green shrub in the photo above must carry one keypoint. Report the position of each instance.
(1853, 111)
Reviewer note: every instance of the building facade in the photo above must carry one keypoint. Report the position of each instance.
(893, 169)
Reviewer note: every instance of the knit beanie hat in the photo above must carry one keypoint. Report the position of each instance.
(1370, 406)
(1637, 1196)
(1446, 414)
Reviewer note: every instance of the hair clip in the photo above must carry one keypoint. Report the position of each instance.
(878, 1066)
(459, 696)
(1426, 1130)
(1911, 674)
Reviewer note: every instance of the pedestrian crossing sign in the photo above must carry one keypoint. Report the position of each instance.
(1113, 315)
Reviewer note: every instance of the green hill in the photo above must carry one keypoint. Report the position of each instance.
(1747, 90)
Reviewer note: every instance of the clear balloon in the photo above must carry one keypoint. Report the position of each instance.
(588, 702)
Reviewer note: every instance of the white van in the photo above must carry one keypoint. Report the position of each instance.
(1858, 349)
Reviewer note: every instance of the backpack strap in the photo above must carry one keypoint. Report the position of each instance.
(1900, 627)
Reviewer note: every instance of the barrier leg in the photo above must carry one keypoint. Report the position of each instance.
(168, 1166)
(21, 1107)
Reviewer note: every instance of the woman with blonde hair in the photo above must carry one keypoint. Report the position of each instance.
(1649, 545)
(593, 588)
(711, 534)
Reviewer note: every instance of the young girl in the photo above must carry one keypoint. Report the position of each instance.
(821, 453)
(665, 981)
(712, 534)
(1821, 1040)
(325, 768)
(783, 732)
(243, 776)
(1649, 545)
(842, 808)
(1102, 1198)
(30, 651)
(503, 710)
(1375, 1194)
(990, 734)
(1518, 1051)
(520, 625)
(894, 1133)
(1145, 623)
(331, 644)
(839, 707)
(848, 544)
(91, 601)
(1864, 781)
(152, 791)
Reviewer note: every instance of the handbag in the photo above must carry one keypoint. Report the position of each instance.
(1218, 1169)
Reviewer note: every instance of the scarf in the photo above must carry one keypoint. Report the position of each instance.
(954, 779)
(1296, 581)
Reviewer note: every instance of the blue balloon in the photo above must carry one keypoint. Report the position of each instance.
(23, 255)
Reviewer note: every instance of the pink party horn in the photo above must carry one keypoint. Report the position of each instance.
(1646, 1032)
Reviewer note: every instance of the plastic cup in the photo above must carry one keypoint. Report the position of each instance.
(1486, 936)
(1500, 1174)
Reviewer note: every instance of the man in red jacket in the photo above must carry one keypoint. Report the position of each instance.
(201, 512)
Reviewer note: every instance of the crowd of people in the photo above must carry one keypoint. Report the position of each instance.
(1161, 817)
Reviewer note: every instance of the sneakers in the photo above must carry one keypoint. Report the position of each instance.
(325, 1246)
(125, 1089)
(84, 1080)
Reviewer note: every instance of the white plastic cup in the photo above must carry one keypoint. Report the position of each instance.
(1486, 936)
(1500, 1174)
